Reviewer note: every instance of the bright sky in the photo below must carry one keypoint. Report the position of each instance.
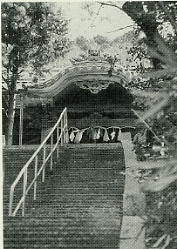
(102, 21)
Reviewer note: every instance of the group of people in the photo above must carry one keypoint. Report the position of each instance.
(96, 134)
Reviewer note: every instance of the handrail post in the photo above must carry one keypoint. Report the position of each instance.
(62, 137)
(11, 201)
(51, 158)
(35, 175)
(23, 174)
(63, 129)
(66, 127)
(64, 119)
(24, 191)
(57, 141)
(44, 156)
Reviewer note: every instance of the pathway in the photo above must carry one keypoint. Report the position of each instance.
(133, 202)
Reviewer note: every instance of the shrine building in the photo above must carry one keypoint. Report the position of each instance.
(94, 99)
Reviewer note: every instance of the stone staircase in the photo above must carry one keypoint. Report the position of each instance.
(80, 205)
(14, 158)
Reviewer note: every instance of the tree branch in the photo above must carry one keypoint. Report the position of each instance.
(121, 28)
(6, 102)
(110, 4)
(171, 58)
(156, 108)
(5, 64)
(6, 80)
(160, 73)
(22, 70)
(161, 51)
(96, 15)
(155, 54)
(147, 22)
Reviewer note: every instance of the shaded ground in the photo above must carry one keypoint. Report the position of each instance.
(132, 237)
(134, 199)
(134, 203)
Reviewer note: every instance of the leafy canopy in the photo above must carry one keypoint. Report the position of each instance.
(33, 34)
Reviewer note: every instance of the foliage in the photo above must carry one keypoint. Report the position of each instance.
(102, 42)
(166, 122)
(99, 43)
(146, 15)
(162, 217)
(158, 21)
(159, 184)
(33, 35)
(155, 19)
(82, 43)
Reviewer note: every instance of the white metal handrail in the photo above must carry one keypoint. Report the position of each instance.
(61, 127)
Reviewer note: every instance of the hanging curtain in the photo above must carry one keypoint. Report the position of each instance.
(119, 137)
(106, 137)
(72, 136)
(94, 134)
(90, 133)
(78, 137)
(113, 134)
(98, 134)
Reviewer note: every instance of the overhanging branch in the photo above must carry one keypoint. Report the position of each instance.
(121, 28)
(110, 4)
(160, 73)
(96, 14)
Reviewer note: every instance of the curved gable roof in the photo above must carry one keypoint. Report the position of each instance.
(85, 71)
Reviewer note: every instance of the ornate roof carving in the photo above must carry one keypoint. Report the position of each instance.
(86, 70)
(94, 86)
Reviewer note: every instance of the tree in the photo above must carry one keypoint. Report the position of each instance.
(149, 16)
(158, 22)
(152, 17)
(98, 42)
(33, 34)
(102, 42)
(82, 43)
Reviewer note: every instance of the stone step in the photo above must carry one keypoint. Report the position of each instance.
(80, 205)
(87, 191)
(54, 224)
(71, 232)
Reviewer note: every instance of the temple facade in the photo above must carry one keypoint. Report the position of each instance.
(96, 100)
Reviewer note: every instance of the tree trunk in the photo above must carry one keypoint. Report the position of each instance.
(158, 48)
(11, 115)
(11, 106)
